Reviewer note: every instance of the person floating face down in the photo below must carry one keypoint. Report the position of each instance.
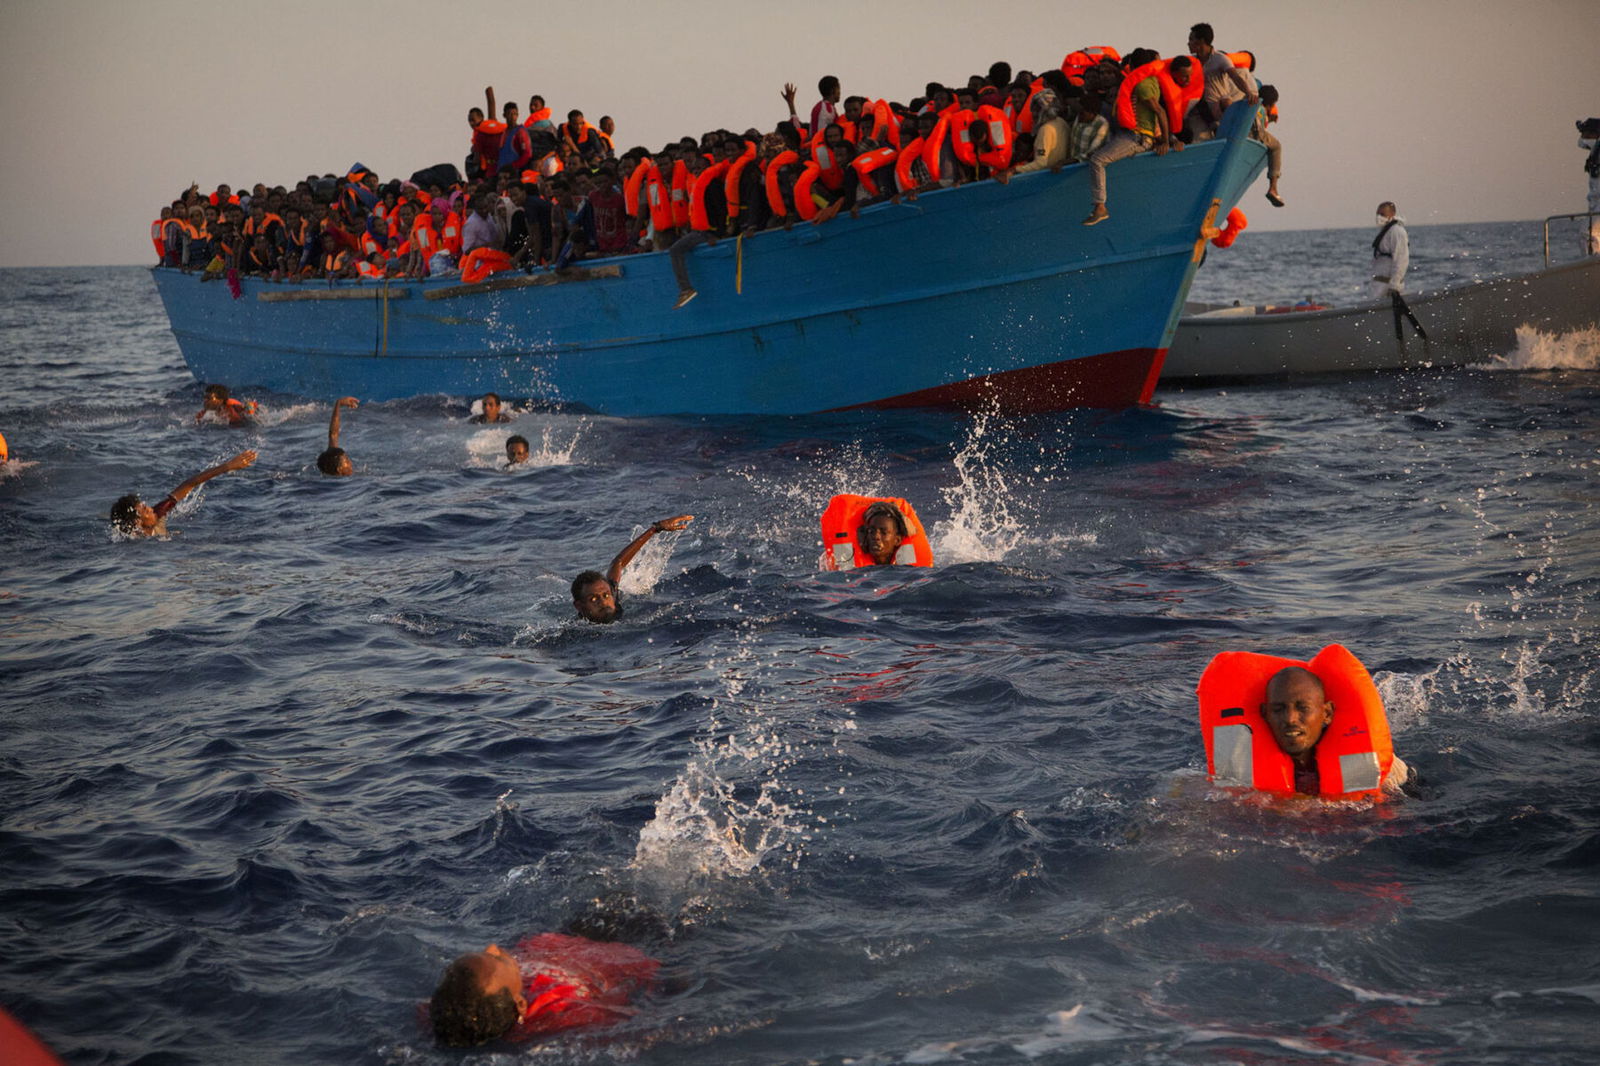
(334, 461)
(549, 982)
(594, 595)
(1297, 711)
(134, 518)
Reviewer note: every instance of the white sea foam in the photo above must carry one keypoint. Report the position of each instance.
(1538, 350)
(487, 448)
(985, 523)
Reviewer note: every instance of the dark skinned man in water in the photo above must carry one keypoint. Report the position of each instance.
(1297, 710)
(594, 595)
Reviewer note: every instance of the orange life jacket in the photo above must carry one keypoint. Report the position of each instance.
(158, 236)
(697, 198)
(730, 180)
(960, 139)
(424, 238)
(369, 244)
(1237, 224)
(334, 262)
(483, 261)
(1352, 757)
(831, 170)
(1082, 59)
(774, 192)
(910, 152)
(450, 235)
(1001, 138)
(1177, 99)
(841, 549)
(368, 270)
(933, 145)
(1127, 116)
(885, 124)
(1242, 60)
(1022, 120)
(804, 205)
(867, 162)
(535, 117)
(630, 188)
(681, 180)
(659, 197)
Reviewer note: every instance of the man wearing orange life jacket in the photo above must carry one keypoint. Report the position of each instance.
(1149, 131)
(708, 212)
(1225, 83)
(1298, 712)
(582, 138)
(158, 233)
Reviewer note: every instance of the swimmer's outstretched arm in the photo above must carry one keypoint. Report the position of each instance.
(238, 462)
(333, 424)
(625, 556)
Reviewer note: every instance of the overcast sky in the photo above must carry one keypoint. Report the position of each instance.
(1459, 111)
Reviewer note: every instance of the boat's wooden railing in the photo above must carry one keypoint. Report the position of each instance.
(1590, 215)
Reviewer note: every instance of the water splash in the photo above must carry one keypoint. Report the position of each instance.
(1538, 350)
(985, 523)
(487, 447)
(647, 567)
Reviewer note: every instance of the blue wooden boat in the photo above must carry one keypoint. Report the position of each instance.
(986, 295)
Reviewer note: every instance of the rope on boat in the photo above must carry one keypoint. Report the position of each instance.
(738, 265)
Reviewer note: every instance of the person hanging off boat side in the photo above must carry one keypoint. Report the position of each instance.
(132, 517)
(595, 596)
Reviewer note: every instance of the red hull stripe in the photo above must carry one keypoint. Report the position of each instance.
(1114, 379)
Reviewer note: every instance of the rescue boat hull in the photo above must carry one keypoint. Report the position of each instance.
(1465, 325)
(988, 295)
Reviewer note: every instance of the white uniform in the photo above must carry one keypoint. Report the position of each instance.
(1390, 262)
(1587, 144)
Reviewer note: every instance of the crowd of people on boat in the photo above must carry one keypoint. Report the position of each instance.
(538, 192)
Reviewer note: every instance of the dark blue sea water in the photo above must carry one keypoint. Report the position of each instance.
(259, 781)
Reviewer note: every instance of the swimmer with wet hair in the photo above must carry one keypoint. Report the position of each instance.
(335, 462)
(217, 401)
(1298, 711)
(516, 451)
(883, 529)
(554, 981)
(491, 410)
(594, 595)
(134, 518)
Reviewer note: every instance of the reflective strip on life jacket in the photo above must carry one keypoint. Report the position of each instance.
(681, 181)
(867, 162)
(831, 170)
(998, 155)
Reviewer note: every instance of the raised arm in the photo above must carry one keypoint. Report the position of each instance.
(493, 112)
(238, 462)
(333, 424)
(625, 556)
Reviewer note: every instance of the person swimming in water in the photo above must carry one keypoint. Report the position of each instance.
(1297, 711)
(335, 462)
(516, 451)
(135, 518)
(236, 413)
(883, 529)
(491, 410)
(594, 595)
(546, 983)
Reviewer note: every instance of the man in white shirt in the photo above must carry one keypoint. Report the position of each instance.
(1391, 254)
(1225, 83)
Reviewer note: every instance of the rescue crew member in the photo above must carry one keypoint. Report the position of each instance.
(135, 518)
(1589, 141)
(1391, 254)
(594, 595)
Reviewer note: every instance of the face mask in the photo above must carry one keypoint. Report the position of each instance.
(1381, 220)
